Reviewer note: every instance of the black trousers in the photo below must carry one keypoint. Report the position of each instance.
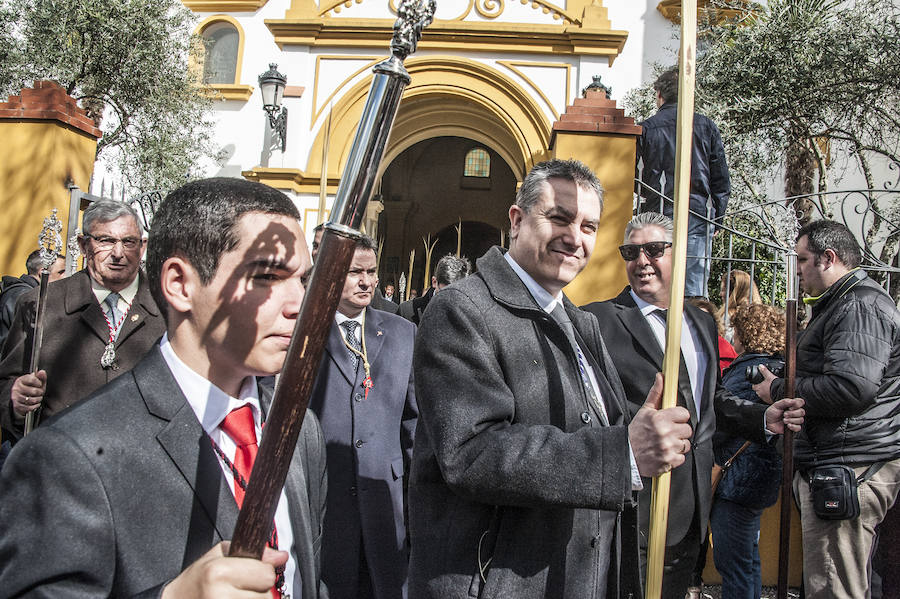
(678, 564)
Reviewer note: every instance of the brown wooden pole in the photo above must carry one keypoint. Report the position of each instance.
(787, 471)
(291, 399)
(285, 418)
(659, 505)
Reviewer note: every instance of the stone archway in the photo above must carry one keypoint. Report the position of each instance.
(448, 96)
(426, 193)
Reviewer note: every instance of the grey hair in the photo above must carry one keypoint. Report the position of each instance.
(650, 219)
(571, 170)
(104, 211)
(450, 269)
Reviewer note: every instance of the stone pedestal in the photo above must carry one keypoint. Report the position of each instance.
(598, 134)
(49, 142)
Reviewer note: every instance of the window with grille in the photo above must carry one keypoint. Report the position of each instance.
(220, 63)
(478, 163)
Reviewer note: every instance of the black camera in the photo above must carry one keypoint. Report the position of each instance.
(755, 377)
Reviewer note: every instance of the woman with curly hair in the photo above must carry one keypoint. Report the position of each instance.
(751, 484)
(737, 290)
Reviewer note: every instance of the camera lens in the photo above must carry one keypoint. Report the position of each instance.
(753, 375)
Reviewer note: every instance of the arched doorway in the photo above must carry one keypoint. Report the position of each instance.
(428, 190)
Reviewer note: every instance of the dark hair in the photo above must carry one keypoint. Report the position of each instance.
(572, 170)
(824, 235)
(364, 242)
(667, 84)
(450, 269)
(319, 227)
(104, 211)
(198, 221)
(33, 263)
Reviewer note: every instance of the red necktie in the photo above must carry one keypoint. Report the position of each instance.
(240, 426)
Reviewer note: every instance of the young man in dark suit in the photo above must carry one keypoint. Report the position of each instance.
(131, 492)
(365, 400)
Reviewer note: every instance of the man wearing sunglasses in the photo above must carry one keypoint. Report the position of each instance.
(97, 323)
(634, 324)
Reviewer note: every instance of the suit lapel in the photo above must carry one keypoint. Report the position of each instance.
(374, 335)
(80, 298)
(587, 328)
(186, 444)
(636, 323)
(339, 354)
(142, 306)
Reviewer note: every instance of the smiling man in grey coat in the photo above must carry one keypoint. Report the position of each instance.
(524, 466)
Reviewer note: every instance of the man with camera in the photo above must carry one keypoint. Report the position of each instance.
(848, 371)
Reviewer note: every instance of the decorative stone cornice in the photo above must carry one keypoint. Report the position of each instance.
(452, 36)
(48, 101)
(595, 113)
(224, 5)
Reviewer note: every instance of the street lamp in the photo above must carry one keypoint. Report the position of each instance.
(271, 84)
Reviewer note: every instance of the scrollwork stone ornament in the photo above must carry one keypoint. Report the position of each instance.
(50, 240)
(413, 17)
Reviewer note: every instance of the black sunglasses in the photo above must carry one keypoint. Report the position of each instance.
(653, 249)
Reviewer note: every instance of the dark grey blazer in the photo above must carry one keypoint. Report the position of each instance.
(75, 336)
(369, 448)
(638, 357)
(517, 488)
(117, 495)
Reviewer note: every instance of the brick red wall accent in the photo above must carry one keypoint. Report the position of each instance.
(595, 113)
(48, 101)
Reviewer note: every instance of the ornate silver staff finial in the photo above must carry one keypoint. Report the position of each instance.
(50, 240)
(413, 17)
(72, 248)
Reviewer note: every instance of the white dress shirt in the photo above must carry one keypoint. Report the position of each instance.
(695, 359)
(211, 405)
(547, 303)
(360, 318)
(126, 296)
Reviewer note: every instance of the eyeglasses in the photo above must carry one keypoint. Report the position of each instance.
(653, 249)
(108, 243)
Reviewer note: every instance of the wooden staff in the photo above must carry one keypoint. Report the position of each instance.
(50, 243)
(659, 506)
(787, 468)
(285, 418)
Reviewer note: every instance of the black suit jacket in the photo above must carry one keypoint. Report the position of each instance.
(117, 495)
(370, 442)
(638, 356)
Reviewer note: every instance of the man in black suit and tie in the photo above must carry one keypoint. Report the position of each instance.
(365, 400)
(130, 492)
(634, 324)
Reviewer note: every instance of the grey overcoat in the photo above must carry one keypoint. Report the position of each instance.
(514, 476)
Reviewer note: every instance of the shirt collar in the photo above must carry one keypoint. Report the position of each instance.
(360, 318)
(208, 402)
(543, 298)
(127, 294)
(645, 308)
